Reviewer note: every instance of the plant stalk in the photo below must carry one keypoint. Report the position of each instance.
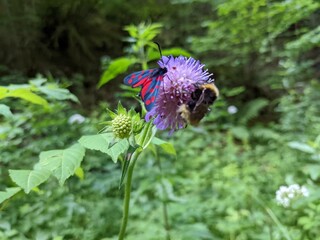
(127, 193)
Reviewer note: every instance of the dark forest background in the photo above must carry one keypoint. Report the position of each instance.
(263, 132)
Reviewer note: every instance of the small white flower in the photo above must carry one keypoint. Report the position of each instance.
(286, 194)
(76, 118)
(232, 109)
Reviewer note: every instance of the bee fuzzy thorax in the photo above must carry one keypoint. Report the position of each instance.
(210, 86)
(195, 109)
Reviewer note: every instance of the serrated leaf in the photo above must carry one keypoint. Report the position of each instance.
(5, 111)
(8, 193)
(117, 149)
(166, 146)
(101, 142)
(62, 163)
(116, 67)
(29, 179)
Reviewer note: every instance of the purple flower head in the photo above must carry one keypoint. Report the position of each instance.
(180, 81)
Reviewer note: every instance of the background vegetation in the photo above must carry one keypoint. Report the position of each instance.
(220, 182)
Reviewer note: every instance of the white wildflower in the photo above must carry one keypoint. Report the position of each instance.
(76, 118)
(232, 109)
(286, 194)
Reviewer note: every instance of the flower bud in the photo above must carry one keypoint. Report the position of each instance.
(122, 126)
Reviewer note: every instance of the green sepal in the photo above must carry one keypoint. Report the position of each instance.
(121, 109)
(111, 114)
(106, 129)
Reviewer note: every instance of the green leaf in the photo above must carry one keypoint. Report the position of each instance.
(79, 173)
(166, 146)
(132, 30)
(8, 193)
(176, 52)
(3, 92)
(116, 67)
(313, 170)
(54, 92)
(38, 81)
(301, 147)
(117, 149)
(26, 95)
(101, 143)
(29, 179)
(154, 54)
(235, 91)
(252, 109)
(62, 163)
(240, 132)
(5, 111)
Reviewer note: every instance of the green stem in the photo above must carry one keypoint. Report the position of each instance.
(273, 217)
(143, 58)
(144, 65)
(126, 203)
(280, 226)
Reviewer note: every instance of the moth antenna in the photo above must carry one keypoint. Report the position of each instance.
(159, 49)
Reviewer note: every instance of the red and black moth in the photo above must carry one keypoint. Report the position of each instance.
(149, 81)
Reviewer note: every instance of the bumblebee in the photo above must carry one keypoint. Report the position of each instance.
(193, 111)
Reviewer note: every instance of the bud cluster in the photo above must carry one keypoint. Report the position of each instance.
(121, 126)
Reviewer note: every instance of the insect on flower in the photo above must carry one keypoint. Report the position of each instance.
(193, 111)
(149, 81)
(177, 93)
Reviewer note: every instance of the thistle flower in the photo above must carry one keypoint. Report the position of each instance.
(285, 195)
(180, 81)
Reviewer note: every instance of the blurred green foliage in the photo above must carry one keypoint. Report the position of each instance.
(262, 133)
